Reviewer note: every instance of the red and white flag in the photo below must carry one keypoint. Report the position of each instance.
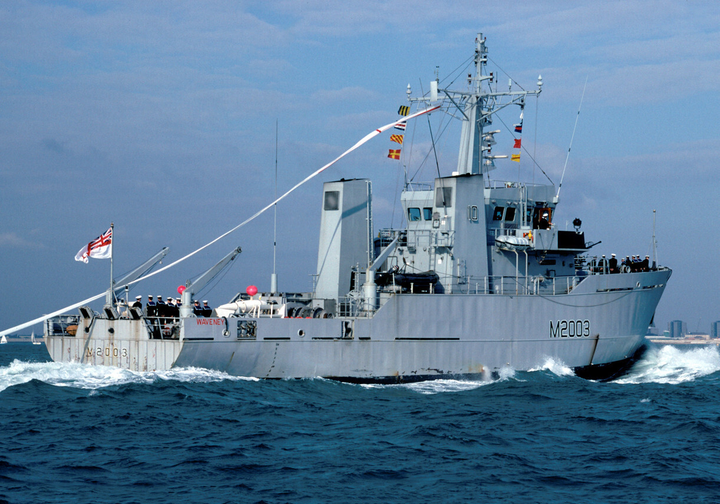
(99, 248)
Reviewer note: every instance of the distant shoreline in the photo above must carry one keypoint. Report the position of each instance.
(662, 340)
(22, 338)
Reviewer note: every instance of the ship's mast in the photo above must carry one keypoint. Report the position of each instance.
(476, 109)
(273, 276)
(110, 295)
(470, 157)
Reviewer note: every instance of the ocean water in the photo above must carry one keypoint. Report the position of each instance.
(73, 433)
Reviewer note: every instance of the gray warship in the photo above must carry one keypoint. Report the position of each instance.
(479, 279)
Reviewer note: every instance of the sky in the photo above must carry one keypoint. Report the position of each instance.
(161, 117)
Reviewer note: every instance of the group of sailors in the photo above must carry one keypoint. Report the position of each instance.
(628, 265)
(170, 308)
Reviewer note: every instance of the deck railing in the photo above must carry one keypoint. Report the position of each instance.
(63, 325)
(520, 285)
(354, 304)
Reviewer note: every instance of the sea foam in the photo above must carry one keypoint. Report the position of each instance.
(84, 376)
(672, 365)
(555, 366)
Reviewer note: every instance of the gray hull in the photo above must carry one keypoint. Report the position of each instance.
(413, 336)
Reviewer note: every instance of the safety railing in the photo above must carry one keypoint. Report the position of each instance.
(520, 285)
(163, 327)
(64, 325)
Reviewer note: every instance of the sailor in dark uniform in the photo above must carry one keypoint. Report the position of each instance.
(613, 264)
(161, 307)
(138, 302)
(150, 308)
(206, 310)
(645, 264)
(544, 221)
(197, 309)
(169, 306)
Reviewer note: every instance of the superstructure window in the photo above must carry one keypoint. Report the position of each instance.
(443, 197)
(497, 215)
(332, 200)
(427, 213)
(510, 214)
(542, 218)
(413, 214)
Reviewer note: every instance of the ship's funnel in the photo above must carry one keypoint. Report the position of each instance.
(345, 235)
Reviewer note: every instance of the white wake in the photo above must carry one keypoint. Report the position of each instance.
(672, 365)
(555, 366)
(84, 376)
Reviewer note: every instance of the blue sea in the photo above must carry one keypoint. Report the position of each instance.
(75, 433)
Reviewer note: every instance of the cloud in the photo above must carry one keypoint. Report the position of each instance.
(12, 240)
(53, 145)
(346, 94)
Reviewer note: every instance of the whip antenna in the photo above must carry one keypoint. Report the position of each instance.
(571, 139)
(654, 244)
(273, 277)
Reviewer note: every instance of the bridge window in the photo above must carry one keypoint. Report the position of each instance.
(427, 213)
(443, 197)
(413, 214)
(542, 218)
(510, 214)
(497, 215)
(332, 200)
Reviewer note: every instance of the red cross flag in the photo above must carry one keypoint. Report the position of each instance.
(99, 248)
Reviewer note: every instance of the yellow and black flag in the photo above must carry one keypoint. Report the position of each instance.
(518, 141)
(404, 110)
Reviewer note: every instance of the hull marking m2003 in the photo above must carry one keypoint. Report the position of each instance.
(106, 352)
(570, 329)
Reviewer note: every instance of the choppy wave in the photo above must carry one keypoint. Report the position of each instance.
(557, 367)
(672, 365)
(84, 376)
(451, 384)
(662, 365)
(443, 386)
(204, 436)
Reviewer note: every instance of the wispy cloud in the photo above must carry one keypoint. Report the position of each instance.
(12, 240)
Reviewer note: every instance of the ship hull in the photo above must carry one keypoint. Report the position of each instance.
(596, 329)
